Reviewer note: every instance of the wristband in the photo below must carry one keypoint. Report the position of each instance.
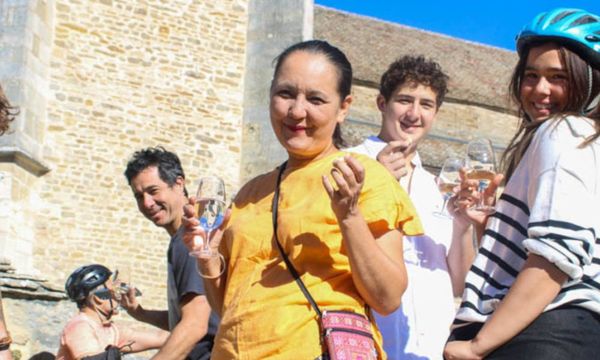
(222, 263)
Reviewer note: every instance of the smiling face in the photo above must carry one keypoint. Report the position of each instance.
(544, 83)
(160, 203)
(409, 113)
(305, 105)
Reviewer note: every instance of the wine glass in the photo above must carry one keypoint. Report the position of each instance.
(448, 179)
(210, 209)
(122, 282)
(481, 164)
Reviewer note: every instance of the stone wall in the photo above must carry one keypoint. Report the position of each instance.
(126, 75)
(271, 29)
(121, 75)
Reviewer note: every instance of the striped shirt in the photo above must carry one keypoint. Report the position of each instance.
(551, 208)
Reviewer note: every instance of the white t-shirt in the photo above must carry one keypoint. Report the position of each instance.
(420, 327)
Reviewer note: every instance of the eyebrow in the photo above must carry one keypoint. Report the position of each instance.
(288, 86)
(410, 97)
(146, 189)
(556, 69)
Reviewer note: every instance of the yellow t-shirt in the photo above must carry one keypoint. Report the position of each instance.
(265, 315)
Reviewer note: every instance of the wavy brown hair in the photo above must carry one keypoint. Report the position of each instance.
(414, 69)
(7, 112)
(577, 100)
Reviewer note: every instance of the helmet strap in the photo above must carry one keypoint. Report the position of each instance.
(102, 315)
(594, 103)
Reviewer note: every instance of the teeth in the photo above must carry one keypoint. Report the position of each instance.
(542, 106)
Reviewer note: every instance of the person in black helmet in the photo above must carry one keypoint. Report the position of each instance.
(91, 333)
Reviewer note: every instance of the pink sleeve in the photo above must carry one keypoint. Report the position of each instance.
(80, 340)
(125, 335)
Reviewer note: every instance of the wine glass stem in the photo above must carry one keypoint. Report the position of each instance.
(444, 211)
(206, 244)
(481, 190)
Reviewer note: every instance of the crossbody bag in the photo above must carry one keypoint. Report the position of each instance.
(343, 334)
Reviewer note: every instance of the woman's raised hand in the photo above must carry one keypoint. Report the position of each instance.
(194, 235)
(461, 205)
(349, 176)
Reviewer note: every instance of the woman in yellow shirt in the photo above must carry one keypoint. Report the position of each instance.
(340, 222)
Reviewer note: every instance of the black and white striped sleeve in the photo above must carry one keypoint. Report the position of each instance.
(564, 206)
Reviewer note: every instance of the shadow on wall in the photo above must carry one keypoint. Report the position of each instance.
(44, 355)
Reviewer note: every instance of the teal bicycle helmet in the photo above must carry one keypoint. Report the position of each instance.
(576, 29)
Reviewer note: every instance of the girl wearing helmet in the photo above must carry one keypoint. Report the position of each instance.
(91, 332)
(533, 291)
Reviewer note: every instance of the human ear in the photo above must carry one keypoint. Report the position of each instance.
(180, 181)
(381, 103)
(344, 108)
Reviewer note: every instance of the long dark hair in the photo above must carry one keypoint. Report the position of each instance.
(578, 99)
(7, 112)
(338, 59)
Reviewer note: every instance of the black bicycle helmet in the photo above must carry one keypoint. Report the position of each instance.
(84, 279)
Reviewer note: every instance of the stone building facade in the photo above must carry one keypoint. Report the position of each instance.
(96, 80)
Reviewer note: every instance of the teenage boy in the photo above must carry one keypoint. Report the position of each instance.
(411, 92)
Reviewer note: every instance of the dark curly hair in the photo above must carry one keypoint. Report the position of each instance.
(7, 112)
(168, 164)
(414, 69)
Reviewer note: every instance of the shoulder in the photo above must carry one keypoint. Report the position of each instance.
(569, 131)
(79, 329)
(177, 247)
(78, 322)
(365, 160)
(561, 138)
(258, 186)
(371, 146)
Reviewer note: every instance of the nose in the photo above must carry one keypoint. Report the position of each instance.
(297, 109)
(414, 112)
(543, 86)
(147, 201)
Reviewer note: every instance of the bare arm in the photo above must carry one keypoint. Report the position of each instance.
(158, 318)
(195, 313)
(136, 340)
(373, 261)
(535, 287)
(460, 255)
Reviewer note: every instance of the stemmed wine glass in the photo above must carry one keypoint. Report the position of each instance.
(210, 209)
(449, 178)
(481, 164)
(122, 282)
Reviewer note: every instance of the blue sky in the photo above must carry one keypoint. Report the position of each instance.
(488, 22)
